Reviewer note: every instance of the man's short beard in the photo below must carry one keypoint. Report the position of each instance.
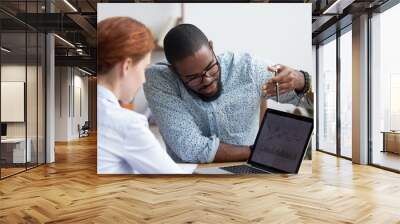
(208, 98)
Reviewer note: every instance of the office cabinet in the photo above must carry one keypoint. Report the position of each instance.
(391, 142)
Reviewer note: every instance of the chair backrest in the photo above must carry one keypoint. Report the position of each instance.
(86, 125)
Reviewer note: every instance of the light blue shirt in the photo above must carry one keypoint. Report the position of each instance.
(192, 128)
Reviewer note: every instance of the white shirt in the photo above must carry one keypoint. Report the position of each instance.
(125, 143)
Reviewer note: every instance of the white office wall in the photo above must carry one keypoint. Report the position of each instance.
(280, 33)
(80, 109)
(12, 101)
(154, 16)
(84, 84)
(15, 73)
(71, 96)
(277, 32)
(62, 81)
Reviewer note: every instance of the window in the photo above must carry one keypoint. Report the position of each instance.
(346, 94)
(385, 89)
(326, 97)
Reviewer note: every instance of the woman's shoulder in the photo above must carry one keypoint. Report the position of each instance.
(130, 117)
(120, 118)
(134, 127)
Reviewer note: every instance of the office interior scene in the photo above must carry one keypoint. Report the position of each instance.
(22, 98)
(339, 100)
(48, 125)
(29, 58)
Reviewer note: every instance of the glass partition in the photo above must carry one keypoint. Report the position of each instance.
(22, 88)
(32, 98)
(13, 105)
(327, 97)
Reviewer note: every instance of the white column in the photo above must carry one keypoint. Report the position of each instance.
(50, 92)
(360, 90)
(50, 99)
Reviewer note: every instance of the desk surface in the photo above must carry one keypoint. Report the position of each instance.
(70, 191)
(305, 168)
(13, 140)
(391, 132)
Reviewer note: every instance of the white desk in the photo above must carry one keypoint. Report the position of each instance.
(17, 147)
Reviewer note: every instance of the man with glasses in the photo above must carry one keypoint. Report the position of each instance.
(207, 106)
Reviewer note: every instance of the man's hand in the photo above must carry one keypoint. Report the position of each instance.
(289, 79)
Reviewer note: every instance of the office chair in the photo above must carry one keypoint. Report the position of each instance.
(84, 130)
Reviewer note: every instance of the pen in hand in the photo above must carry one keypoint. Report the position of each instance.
(276, 86)
(268, 87)
(275, 71)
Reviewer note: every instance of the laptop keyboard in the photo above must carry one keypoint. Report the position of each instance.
(243, 169)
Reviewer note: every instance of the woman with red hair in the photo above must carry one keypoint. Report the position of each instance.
(125, 143)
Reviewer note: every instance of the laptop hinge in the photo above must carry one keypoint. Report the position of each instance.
(270, 169)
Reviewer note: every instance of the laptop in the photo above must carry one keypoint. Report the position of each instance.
(3, 131)
(279, 147)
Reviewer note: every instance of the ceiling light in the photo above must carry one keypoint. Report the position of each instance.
(86, 72)
(70, 5)
(5, 50)
(337, 7)
(64, 40)
(80, 51)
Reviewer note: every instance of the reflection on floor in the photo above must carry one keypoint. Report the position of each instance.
(386, 159)
(346, 152)
(10, 169)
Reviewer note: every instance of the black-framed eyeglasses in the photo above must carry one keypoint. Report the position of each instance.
(211, 71)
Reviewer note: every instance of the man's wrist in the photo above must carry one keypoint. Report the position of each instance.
(307, 83)
(301, 82)
(231, 153)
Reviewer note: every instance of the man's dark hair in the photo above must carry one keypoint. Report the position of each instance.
(183, 41)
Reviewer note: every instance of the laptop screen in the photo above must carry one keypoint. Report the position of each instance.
(282, 141)
(3, 129)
